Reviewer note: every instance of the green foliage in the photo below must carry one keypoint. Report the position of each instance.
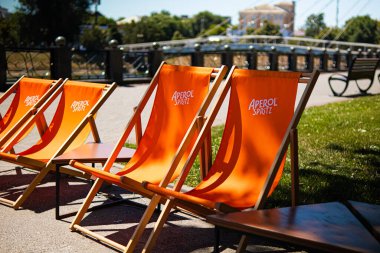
(94, 38)
(9, 29)
(177, 35)
(45, 20)
(204, 20)
(268, 28)
(163, 26)
(156, 27)
(108, 24)
(314, 25)
(330, 33)
(339, 152)
(361, 29)
(250, 31)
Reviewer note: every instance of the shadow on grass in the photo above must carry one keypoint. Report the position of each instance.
(317, 186)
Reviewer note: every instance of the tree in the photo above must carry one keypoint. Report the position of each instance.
(163, 26)
(205, 20)
(94, 38)
(314, 25)
(330, 33)
(107, 24)
(268, 28)
(361, 29)
(47, 19)
(9, 29)
(177, 35)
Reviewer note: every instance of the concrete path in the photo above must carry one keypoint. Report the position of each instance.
(34, 229)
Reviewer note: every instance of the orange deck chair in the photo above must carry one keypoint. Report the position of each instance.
(28, 95)
(179, 102)
(250, 158)
(69, 128)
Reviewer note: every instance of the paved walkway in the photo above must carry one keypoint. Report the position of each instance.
(34, 228)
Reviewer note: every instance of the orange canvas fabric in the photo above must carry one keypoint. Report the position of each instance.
(28, 93)
(179, 95)
(77, 99)
(260, 109)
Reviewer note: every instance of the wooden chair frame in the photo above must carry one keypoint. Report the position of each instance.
(360, 68)
(39, 120)
(130, 184)
(54, 85)
(206, 207)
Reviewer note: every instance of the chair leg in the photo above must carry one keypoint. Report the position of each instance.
(90, 196)
(217, 239)
(155, 202)
(41, 175)
(294, 164)
(57, 191)
(158, 226)
(242, 244)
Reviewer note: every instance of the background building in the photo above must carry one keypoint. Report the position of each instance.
(281, 14)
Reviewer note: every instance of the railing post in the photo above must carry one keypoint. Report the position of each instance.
(349, 57)
(273, 59)
(155, 57)
(197, 58)
(292, 59)
(3, 69)
(114, 63)
(60, 59)
(324, 59)
(252, 58)
(369, 53)
(360, 53)
(309, 60)
(227, 57)
(337, 59)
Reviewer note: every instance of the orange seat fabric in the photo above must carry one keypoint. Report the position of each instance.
(179, 95)
(260, 109)
(28, 93)
(77, 99)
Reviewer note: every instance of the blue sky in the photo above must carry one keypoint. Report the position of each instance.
(127, 8)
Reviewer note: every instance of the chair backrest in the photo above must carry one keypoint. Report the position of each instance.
(77, 101)
(28, 91)
(250, 159)
(260, 109)
(363, 68)
(179, 95)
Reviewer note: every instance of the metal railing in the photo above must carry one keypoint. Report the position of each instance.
(127, 64)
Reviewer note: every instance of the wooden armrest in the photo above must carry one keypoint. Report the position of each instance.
(95, 172)
(7, 156)
(170, 194)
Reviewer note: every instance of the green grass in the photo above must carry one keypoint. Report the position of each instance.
(339, 153)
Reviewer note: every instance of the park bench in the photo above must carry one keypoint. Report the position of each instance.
(360, 68)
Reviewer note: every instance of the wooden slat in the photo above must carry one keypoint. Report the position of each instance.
(99, 237)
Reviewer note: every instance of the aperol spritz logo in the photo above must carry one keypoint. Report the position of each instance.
(182, 97)
(31, 100)
(79, 106)
(263, 106)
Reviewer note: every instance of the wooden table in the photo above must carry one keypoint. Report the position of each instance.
(330, 227)
(87, 153)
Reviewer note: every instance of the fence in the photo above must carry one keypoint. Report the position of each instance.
(122, 65)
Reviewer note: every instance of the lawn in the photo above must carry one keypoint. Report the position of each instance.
(339, 152)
